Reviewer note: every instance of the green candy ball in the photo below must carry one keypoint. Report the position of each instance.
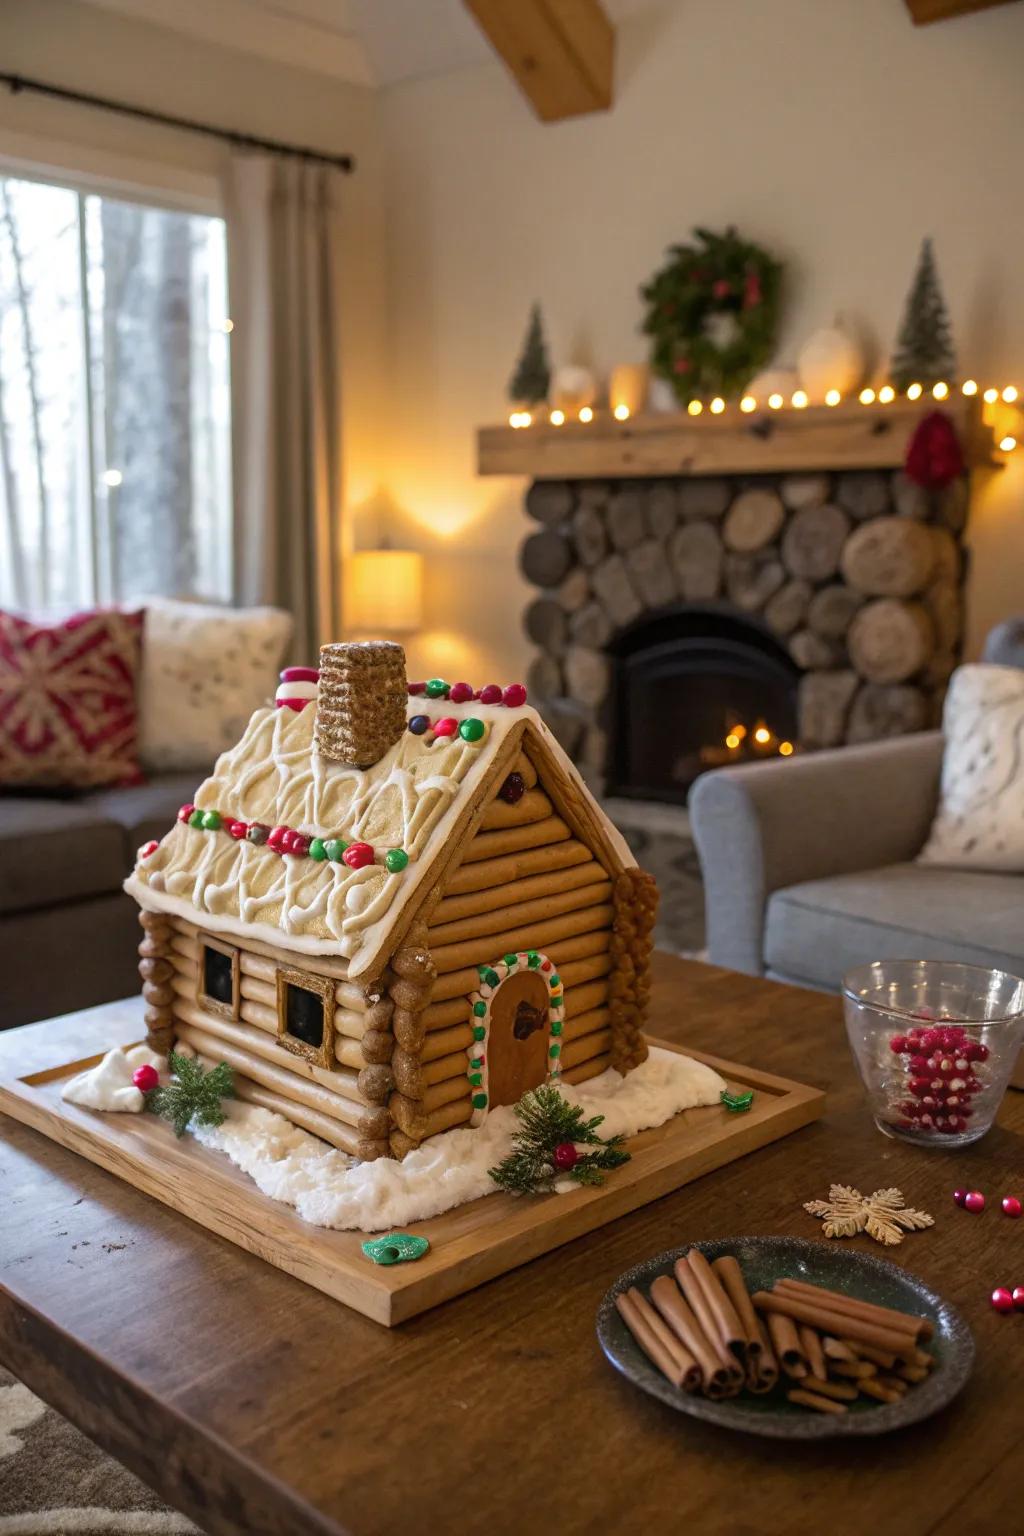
(334, 848)
(318, 849)
(475, 1080)
(196, 819)
(437, 688)
(471, 729)
(556, 1026)
(395, 860)
(479, 1101)
(480, 1009)
(555, 1050)
(212, 821)
(480, 1033)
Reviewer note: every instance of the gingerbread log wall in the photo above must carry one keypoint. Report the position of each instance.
(156, 970)
(345, 1104)
(524, 882)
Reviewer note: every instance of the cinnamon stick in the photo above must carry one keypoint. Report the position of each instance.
(839, 1325)
(694, 1293)
(657, 1343)
(762, 1368)
(912, 1373)
(888, 1317)
(837, 1389)
(680, 1318)
(786, 1343)
(813, 1400)
(810, 1343)
(876, 1356)
(731, 1333)
(857, 1370)
(872, 1388)
(730, 1276)
(835, 1349)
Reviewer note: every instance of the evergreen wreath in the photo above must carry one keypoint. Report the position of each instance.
(192, 1094)
(546, 1146)
(712, 314)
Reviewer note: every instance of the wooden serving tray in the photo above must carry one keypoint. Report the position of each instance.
(469, 1245)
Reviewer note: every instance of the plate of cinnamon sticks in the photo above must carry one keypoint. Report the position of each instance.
(786, 1337)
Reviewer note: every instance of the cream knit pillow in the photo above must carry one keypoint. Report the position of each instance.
(980, 820)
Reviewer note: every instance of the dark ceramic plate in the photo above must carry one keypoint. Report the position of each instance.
(763, 1261)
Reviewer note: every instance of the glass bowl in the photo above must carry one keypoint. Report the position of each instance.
(934, 1042)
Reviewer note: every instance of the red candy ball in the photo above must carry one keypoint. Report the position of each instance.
(185, 812)
(358, 855)
(298, 845)
(514, 696)
(565, 1157)
(237, 829)
(1011, 1206)
(1018, 1298)
(960, 1197)
(975, 1201)
(460, 693)
(300, 675)
(1002, 1299)
(898, 1045)
(446, 727)
(278, 839)
(490, 694)
(415, 689)
(146, 1078)
(147, 849)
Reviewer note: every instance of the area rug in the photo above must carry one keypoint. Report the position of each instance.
(55, 1482)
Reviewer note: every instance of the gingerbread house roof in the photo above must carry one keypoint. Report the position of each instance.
(419, 803)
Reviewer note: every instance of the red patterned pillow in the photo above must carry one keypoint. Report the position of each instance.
(67, 700)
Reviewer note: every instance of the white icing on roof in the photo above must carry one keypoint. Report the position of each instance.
(413, 799)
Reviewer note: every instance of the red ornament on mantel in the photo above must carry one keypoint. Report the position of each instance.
(934, 456)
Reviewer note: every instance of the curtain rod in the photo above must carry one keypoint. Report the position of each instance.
(19, 83)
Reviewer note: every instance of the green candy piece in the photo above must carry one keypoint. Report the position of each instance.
(554, 980)
(480, 1010)
(334, 848)
(533, 959)
(476, 1061)
(556, 1026)
(737, 1103)
(196, 819)
(212, 821)
(479, 1101)
(471, 729)
(395, 860)
(475, 1080)
(318, 849)
(554, 1049)
(396, 1248)
(490, 977)
(437, 688)
(511, 960)
(479, 1032)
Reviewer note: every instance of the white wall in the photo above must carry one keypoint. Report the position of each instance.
(831, 130)
(105, 53)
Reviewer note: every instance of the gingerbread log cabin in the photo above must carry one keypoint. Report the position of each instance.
(393, 907)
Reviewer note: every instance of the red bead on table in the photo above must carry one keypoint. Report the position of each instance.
(1002, 1299)
(514, 696)
(358, 855)
(975, 1201)
(146, 1078)
(1018, 1298)
(1011, 1206)
(490, 694)
(960, 1197)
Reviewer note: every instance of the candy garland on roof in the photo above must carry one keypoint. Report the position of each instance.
(357, 855)
(513, 696)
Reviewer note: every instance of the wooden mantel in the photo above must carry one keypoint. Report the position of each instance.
(846, 436)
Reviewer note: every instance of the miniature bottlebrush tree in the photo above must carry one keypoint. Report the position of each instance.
(924, 347)
(532, 377)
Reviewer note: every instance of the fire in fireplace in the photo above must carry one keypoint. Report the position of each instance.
(695, 687)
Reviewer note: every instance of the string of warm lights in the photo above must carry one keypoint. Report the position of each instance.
(799, 401)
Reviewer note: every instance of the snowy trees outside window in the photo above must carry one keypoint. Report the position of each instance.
(115, 478)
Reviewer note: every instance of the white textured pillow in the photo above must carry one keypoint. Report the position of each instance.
(980, 820)
(204, 671)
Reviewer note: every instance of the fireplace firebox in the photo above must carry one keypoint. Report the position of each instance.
(693, 687)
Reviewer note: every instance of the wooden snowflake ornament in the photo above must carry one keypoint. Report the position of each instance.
(884, 1215)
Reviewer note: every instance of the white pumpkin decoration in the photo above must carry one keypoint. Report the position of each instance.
(831, 358)
(773, 381)
(573, 387)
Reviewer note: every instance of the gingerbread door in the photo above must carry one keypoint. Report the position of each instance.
(517, 1045)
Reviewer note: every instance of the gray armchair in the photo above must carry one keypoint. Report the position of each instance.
(809, 865)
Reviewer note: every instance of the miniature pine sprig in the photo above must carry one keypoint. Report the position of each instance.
(545, 1146)
(194, 1093)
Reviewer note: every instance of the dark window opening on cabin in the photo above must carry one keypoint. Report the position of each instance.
(528, 1020)
(218, 976)
(304, 1015)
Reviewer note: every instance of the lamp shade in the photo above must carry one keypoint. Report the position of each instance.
(386, 591)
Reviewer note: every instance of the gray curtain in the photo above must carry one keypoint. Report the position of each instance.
(284, 274)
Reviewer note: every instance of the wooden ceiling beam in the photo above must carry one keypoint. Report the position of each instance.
(560, 52)
(925, 11)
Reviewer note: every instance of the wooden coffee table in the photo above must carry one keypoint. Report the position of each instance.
(257, 1405)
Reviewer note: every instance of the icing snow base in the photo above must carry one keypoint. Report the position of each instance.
(330, 1189)
(108, 1085)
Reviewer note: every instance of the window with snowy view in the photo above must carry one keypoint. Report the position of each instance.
(114, 400)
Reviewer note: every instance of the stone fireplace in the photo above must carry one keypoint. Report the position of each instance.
(686, 621)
